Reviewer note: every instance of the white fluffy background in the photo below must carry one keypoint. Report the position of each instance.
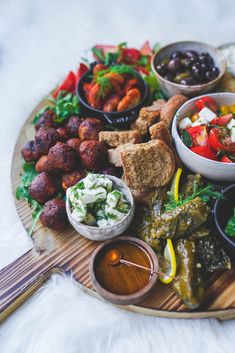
(39, 42)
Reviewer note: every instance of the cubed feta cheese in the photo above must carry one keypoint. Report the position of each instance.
(233, 134)
(184, 123)
(113, 198)
(231, 124)
(207, 114)
(95, 180)
(103, 223)
(113, 214)
(79, 213)
(200, 121)
(88, 196)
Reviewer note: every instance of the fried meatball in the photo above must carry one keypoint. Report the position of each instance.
(117, 172)
(93, 155)
(72, 178)
(90, 128)
(46, 119)
(63, 157)
(43, 187)
(45, 138)
(73, 124)
(30, 152)
(74, 143)
(64, 135)
(54, 214)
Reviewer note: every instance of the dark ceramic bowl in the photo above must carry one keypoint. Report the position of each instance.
(118, 119)
(223, 210)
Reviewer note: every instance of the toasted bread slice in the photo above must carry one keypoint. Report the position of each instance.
(116, 138)
(148, 116)
(114, 154)
(160, 131)
(148, 165)
(170, 108)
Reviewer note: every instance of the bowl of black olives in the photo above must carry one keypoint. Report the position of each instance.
(188, 68)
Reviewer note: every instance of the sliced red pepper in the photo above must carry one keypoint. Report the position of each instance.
(129, 56)
(80, 72)
(216, 144)
(226, 159)
(199, 135)
(146, 49)
(207, 102)
(142, 69)
(67, 85)
(222, 120)
(204, 151)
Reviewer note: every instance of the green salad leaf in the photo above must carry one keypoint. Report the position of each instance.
(230, 228)
(153, 85)
(186, 138)
(66, 104)
(22, 193)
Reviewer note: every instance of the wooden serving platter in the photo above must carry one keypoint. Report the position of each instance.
(69, 252)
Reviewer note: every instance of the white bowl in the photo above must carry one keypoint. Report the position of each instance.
(97, 233)
(210, 169)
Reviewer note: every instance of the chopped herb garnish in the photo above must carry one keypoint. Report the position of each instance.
(230, 228)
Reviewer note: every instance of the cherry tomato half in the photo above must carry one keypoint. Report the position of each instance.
(216, 144)
(222, 120)
(207, 102)
(199, 135)
(226, 159)
(204, 151)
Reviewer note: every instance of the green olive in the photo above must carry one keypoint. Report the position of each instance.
(181, 76)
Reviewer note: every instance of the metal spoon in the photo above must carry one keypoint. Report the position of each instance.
(114, 257)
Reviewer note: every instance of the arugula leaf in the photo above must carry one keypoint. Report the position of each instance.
(66, 105)
(153, 85)
(187, 139)
(110, 58)
(230, 228)
(38, 115)
(22, 193)
(98, 53)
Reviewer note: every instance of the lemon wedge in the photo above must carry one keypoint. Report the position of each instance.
(168, 264)
(175, 184)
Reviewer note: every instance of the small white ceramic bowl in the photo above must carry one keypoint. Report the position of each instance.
(98, 233)
(210, 169)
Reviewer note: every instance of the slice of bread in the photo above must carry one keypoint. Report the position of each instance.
(114, 154)
(160, 131)
(148, 116)
(148, 165)
(116, 138)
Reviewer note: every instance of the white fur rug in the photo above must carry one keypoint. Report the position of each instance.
(39, 42)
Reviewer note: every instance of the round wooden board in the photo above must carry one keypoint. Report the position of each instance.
(68, 251)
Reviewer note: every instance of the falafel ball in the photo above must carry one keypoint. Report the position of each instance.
(46, 119)
(73, 124)
(93, 155)
(54, 214)
(43, 187)
(74, 143)
(63, 157)
(63, 133)
(90, 128)
(45, 138)
(72, 178)
(30, 152)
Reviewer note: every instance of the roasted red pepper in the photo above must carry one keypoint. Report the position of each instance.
(207, 102)
(80, 72)
(216, 142)
(67, 85)
(204, 151)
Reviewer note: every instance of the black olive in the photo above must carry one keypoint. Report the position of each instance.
(191, 54)
(189, 81)
(177, 54)
(169, 77)
(215, 71)
(187, 63)
(210, 76)
(174, 65)
(161, 69)
(206, 59)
